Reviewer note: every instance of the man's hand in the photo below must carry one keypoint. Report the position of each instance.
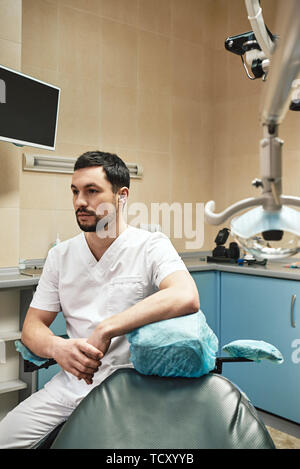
(77, 357)
(100, 339)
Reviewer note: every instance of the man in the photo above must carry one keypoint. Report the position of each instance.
(107, 281)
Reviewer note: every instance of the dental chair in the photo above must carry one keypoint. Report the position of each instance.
(133, 411)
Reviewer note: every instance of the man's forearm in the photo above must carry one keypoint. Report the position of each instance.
(39, 338)
(164, 304)
(73, 355)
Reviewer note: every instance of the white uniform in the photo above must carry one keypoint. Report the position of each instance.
(87, 291)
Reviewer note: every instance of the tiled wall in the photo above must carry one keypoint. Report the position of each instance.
(10, 56)
(150, 80)
(135, 80)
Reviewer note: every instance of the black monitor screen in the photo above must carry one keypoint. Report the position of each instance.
(28, 110)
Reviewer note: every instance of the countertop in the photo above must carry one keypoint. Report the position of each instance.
(11, 277)
(272, 269)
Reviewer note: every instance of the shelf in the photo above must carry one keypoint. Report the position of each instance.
(10, 335)
(6, 336)
(13, 385)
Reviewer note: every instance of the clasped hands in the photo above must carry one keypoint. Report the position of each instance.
(82, 357)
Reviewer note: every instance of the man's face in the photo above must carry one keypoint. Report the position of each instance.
(93, 197)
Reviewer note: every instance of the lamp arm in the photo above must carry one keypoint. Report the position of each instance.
(290, 200)
(285, 66)
(218, 218)
(259, 28)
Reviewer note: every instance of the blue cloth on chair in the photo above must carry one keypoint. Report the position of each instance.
(184, 347)
(255, 350)
(28, 355)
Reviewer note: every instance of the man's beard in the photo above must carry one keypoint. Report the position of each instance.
(85, 226)
(99, 224)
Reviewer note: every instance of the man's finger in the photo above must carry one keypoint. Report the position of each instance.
(91, 351)
(88, 365)
(81, 375)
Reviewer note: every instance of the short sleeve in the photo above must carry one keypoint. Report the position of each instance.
(162, 258)
(46, 296)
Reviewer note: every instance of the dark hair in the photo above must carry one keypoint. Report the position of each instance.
(115, 169)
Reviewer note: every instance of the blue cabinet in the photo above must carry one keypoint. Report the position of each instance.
(58, 327)
(208, 284)
(259, 308)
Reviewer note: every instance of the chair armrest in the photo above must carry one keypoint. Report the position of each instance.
(221, 360)
(29, 367)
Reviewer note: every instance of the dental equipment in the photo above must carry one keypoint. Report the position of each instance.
(271, 230)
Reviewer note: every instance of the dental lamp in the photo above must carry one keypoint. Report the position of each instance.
(271, 230)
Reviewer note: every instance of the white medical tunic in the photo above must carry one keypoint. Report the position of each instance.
(87, 291)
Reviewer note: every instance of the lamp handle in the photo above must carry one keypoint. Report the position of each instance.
(218, 218)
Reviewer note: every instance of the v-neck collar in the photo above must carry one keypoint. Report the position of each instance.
(108, 255)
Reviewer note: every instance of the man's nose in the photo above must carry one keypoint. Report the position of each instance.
(80, 201)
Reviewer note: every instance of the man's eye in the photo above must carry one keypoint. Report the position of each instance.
(75, 192)
(92, 191)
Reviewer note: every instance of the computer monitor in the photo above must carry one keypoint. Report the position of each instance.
(28, 110)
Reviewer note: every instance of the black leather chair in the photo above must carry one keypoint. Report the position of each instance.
(132, 411)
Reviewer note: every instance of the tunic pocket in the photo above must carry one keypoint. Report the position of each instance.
(124, 292)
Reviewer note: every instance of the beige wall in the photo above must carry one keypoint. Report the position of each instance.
(135, 80)
(10, 56)
(150, 80)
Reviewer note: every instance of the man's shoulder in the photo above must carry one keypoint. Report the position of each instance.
(143, 235)
(141, 238)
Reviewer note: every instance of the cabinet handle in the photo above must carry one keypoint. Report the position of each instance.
(293, 323)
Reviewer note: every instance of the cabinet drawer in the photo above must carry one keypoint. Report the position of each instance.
(259, 308)
(208, 284)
